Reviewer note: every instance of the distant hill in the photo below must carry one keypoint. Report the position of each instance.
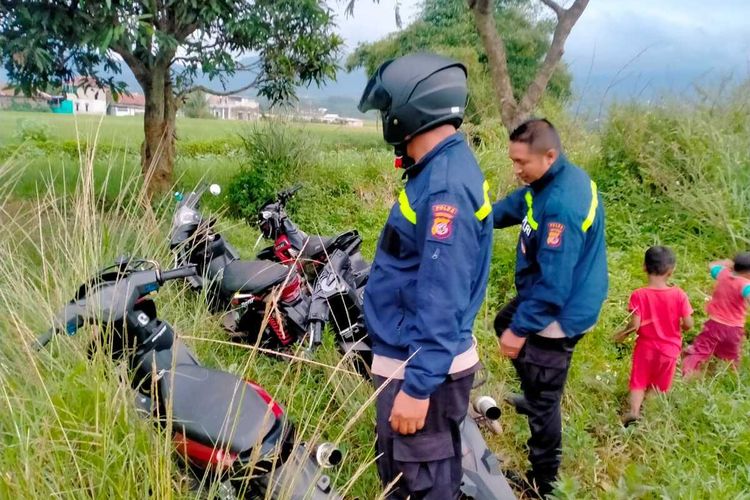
(594, 91)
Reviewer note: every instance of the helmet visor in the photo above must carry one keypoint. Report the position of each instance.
(375, 95)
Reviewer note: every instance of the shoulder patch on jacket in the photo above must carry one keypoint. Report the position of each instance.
(555, 232)
(443, 214)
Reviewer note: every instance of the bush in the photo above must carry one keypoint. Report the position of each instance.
(32, 130)
(275, 154)
(218, 147)
(679, 172)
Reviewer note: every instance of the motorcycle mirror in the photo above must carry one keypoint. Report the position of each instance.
(214, 189)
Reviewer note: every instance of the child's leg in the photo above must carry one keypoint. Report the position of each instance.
(729, 347)
(700, 350)
(636, 400)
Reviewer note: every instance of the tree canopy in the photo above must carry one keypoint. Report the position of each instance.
(447, 27)
(167, 44)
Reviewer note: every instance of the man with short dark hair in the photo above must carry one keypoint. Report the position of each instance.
(428, 278)
(561, 282)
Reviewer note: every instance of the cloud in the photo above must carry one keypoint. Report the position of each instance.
(671, 36)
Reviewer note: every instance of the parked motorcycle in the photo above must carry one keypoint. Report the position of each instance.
(225, 428)
(247, 288)
(294, 246)
(336, 299)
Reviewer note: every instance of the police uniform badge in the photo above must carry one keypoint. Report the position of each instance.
(442, 221)
(555, 232)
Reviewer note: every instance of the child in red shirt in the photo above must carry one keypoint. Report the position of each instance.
(724, 331)
(659, 311)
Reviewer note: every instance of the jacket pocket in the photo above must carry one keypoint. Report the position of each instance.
(390, 243)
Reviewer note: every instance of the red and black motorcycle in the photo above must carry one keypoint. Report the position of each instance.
(225, 428)
(264, 298)
(293, 246)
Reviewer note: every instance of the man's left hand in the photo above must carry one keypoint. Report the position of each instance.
(408, 414)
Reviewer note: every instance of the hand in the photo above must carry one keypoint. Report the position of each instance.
(620, 337)
(511, 344)
(408, 414)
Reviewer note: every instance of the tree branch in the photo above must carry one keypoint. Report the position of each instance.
(484, 20)
(565, 24)
(559, 11)
(136, 65)
(207, 90)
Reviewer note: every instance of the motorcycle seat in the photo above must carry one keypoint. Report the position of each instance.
(252, 276)
(316, 245)
(215, 408)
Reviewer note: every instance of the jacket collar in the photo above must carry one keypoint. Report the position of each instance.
(554, 169)
(446, 143)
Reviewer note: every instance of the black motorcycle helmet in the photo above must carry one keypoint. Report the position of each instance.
(416, 93)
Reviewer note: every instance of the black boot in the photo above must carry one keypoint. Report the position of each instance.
(518, 402)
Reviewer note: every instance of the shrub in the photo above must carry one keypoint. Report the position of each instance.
(275, 154)
(680, 171)
(32, 130)
(216, 147)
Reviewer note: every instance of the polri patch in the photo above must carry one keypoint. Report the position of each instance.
(442, 220)
(555, 232)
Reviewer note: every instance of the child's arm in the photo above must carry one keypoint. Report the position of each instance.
(716, 266)
(687, 323)
(633, 325)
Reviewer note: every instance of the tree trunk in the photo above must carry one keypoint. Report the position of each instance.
(513, 112)
(484, 21)
(158, 150)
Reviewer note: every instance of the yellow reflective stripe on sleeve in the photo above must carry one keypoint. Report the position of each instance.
(486, 208)
(406, 210)
(530, 212)
(592, 209)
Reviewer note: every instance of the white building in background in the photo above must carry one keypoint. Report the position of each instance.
(354, 122)
(127, 105)
(234, 107)
(88, 99)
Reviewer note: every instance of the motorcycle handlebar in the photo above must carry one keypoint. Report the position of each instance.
(288, 193)
(180, 272)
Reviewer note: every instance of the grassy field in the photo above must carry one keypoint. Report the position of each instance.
(129, 129)
(68, 429)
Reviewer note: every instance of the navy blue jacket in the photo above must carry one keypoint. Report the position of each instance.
(561, 261)
(430, 271)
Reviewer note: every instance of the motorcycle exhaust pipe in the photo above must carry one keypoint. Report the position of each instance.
(327, 455)
(487, 407)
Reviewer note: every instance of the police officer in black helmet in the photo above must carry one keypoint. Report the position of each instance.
(428, 278)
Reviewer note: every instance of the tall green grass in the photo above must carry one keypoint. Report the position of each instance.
(69, 425)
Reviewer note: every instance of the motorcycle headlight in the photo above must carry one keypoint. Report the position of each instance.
(186, 215)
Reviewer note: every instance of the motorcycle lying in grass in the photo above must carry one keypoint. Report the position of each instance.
(249, 289)
(336, 299)
(294, 246)
(225, 429)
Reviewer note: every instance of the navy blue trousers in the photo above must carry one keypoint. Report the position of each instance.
(428, 462)
(542, 367)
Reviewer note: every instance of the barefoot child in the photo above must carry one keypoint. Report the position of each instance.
(658, 311)
(723, 333)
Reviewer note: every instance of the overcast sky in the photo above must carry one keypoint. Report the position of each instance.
(630, 43)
